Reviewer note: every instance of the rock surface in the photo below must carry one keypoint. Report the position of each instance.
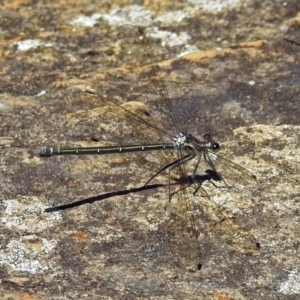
(231, 69)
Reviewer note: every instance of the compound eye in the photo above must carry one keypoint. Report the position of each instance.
(215, 146)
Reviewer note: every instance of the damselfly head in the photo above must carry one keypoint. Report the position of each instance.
(210, 142)
(215, 146)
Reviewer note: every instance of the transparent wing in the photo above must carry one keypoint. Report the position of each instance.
(139, 54)
(185, 229)
(226, 227)
(134, 113)
(195, 214)
(229, 170)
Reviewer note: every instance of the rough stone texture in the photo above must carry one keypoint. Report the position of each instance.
(242, 84)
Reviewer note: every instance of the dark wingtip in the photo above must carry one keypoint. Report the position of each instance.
(254, 177)
(199, 266)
